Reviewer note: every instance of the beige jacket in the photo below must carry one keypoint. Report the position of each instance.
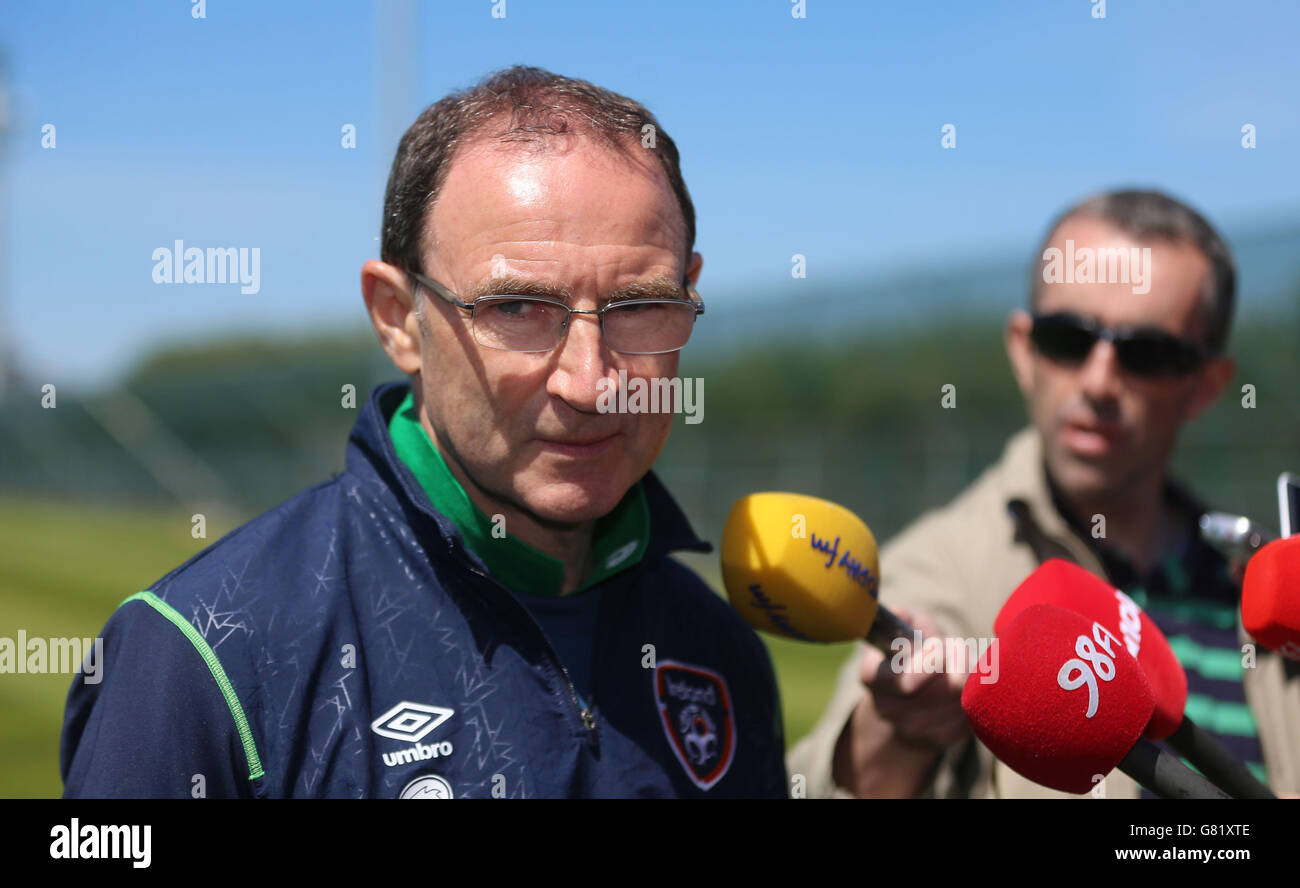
(959, 564)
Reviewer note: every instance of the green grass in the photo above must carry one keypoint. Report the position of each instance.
(806, 673)
(64, 567)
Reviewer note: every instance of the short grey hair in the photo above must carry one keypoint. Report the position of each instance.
(1153, 215)
(534, 105)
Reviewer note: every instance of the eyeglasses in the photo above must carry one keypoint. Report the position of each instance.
(1142, 351)
(537, 324)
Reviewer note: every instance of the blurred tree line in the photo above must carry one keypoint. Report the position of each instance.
(857, 418)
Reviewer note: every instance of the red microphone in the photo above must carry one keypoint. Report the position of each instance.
(1066, 585)
(1069, 706)
(1270, 597)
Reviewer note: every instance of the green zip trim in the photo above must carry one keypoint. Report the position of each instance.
(214, 665)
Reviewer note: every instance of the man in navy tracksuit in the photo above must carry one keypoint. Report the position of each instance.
(482, 604)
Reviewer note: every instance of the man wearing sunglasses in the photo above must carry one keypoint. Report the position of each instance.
(483, 604)
(1115, 354)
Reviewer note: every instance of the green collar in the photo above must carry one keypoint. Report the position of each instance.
(619, 541)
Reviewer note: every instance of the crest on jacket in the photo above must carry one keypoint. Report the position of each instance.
(695, 708)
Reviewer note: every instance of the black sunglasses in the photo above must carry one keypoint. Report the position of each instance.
(1142, 351)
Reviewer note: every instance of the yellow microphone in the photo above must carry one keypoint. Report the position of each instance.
(803, 567)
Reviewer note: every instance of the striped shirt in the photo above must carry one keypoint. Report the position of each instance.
(1193, 599)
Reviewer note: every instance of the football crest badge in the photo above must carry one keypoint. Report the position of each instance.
(695, 708)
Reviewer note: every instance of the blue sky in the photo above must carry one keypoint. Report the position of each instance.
(818, 136)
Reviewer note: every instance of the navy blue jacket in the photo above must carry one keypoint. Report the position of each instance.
(346, 643)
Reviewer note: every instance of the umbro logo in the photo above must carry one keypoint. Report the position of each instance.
(619, 555)
(431, 786)
(410, 721)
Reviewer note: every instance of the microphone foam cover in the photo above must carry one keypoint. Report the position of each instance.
(1067, 585)
(801, 567)
(1052, 715)
(1270, 597)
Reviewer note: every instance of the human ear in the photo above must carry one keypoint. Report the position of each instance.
(388, 299)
